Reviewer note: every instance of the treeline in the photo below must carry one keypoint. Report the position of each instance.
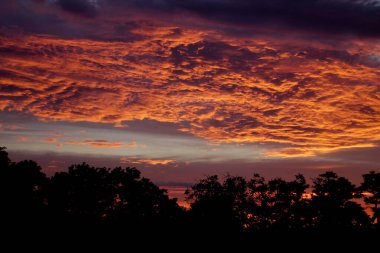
(86, 198)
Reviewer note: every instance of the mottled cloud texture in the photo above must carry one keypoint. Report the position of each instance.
(301, 74)
(102, 144)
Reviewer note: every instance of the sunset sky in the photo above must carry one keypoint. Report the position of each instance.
(186, 88)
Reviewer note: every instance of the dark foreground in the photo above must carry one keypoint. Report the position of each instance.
(101, 207)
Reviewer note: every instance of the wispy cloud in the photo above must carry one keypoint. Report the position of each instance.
(314, 151)
(10, 127)
(135, 160)
(102, 144)
(50, 140)
(22, 138)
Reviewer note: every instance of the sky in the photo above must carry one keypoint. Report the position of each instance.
(184, 89)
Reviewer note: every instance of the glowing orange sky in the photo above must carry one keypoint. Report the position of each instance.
(225, 89)
(181, 88)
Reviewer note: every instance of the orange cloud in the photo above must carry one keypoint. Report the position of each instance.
(58, 134)
(135, 160)
(50, 140)
(9, 127)
(102, 144)
(313, 151)
(23, 138)
(311, 97)
(156, 161)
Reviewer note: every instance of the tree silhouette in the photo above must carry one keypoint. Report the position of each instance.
(88, 200)
(82, 194)
(332, 203)
(22, 191)
(4, 159)
(277, 204)
(371, 191)
(256, 205)
(89, 195)
(139, 202)
(217, 208)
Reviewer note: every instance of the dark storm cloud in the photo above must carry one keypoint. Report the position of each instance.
(358, 17)
(332, 16)
(84, 8)
(38, 17)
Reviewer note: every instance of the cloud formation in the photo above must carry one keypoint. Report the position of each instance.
(309, 97)
(22, 138)
(110, 63)
(146, 161)
(359, 17)
(350, 17)
(102, 144)
(50, 140)
(90, 18)
(85, 8)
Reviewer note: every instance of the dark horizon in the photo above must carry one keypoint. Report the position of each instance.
(177, 189)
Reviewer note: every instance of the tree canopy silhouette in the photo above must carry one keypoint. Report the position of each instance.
(371, 190)
(277, 204)
(121, 197)
(23, 190)
(218, 207)
(102, 199)
(332, 203)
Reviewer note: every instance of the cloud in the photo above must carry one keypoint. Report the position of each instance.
(314, 151)
(86, 8)
(58, 134)
(350, 17)
(306, 96)
(102, 144)
(146, 161)
(330, 16)
(22, 138)
(50, 140)
(360, 156)
(108, 19)
(10, 127)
